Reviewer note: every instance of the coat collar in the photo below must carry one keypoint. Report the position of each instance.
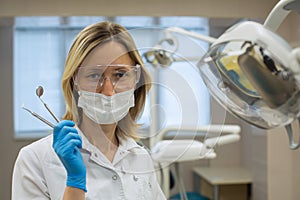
(126, 144)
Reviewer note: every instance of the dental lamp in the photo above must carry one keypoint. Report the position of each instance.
(252, 72)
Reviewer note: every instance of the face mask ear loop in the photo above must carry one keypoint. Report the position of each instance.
(289, 131)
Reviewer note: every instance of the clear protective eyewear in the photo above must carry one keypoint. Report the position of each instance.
(123, 77)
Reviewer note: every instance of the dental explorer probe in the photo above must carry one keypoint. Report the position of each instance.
(39, 92)
(39, 117)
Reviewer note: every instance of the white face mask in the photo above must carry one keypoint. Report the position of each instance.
(106, 109)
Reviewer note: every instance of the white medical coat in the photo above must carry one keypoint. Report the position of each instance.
(39, 174)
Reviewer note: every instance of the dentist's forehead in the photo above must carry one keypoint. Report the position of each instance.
(108, 53)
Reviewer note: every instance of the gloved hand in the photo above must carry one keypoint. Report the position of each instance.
(66, 144)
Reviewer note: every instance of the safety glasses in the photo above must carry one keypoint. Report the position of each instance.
(123, 77)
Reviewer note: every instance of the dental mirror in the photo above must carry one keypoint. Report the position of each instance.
(39, 92)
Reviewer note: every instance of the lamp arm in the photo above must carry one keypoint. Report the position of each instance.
(190, 33)
(279, 13)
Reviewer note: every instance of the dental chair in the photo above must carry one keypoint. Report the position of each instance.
(175, 151)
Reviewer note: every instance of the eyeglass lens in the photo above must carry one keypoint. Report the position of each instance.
(91, 78)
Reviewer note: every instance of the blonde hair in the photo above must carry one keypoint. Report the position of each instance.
(83, 44)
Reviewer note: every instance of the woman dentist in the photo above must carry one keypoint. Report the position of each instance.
(92, 154)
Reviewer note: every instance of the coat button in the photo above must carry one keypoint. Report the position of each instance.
(135, 178)
(114, 177)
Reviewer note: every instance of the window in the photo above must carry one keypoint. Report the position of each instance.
(40, 48)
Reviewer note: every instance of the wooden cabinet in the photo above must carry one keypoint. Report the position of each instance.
(223, 183)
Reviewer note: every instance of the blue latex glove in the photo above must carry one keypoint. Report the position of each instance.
(66, 143)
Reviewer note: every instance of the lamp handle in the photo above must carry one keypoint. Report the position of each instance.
(289, 131)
